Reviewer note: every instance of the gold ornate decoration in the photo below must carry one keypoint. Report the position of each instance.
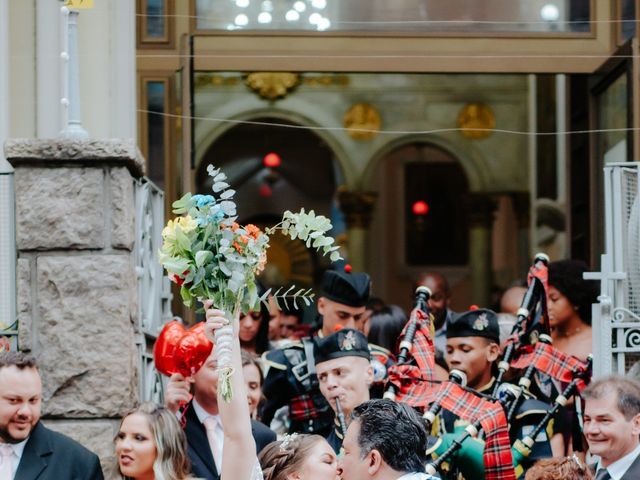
(272, 85)
(362, 121)
(356, 206)
(476, 121)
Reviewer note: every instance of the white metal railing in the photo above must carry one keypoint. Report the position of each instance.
(616, 319)
(154, 293)
(8, 314)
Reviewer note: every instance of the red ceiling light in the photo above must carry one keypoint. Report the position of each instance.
(271, 160)
(420, 208)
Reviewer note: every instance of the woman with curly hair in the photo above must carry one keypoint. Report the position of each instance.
(559, 468)
(570, 299)
(299, 456)
(151, 445)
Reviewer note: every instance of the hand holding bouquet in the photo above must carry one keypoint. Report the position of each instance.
(210, 256)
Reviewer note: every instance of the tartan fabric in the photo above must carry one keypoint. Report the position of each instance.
(413, 381)
(498, 462)
(302, 408)
(548, 359)
(540, 272)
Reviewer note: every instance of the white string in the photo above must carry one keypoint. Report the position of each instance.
(389, 132)
(350, 57)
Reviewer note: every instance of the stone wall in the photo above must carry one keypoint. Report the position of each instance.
(77, 294)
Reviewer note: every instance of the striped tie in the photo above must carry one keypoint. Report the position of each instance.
(603, 474)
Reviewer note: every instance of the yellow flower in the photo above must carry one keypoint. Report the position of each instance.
(186, 224)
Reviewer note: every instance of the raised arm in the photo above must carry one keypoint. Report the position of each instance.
(239, 452)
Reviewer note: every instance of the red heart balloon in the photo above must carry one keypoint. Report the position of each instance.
(193, 350)
(181, 351)
(165, 347)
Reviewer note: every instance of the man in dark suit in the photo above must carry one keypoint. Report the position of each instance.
(29, 450)
(203, 428)
(612, 427)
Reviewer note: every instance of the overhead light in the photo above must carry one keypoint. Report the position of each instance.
(242, 3)
(315, 18)
(267, 6)
(241, 20)
(319, 4)
(324, 24)
(264, 17)
(550, 12)
(300, 6)
(292, 16)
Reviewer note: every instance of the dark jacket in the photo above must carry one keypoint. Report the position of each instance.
(49, 455)
(202, 465)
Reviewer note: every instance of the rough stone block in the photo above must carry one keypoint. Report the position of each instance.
(85, 337)
(25, 319)
(96, 435)
(122, 208)
(59, 208)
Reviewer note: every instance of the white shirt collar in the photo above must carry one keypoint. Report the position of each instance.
(618, 468)
(18, 449)
(201, 413)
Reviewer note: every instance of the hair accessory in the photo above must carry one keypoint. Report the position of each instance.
(577, 460)
(287, 440)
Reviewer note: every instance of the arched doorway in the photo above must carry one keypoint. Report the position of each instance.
(421, 222)
(305, 174)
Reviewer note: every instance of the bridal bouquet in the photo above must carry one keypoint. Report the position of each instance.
(209, 255)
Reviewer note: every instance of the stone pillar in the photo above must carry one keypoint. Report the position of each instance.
(481, 208)
(76, 282)
(522, 207)
(358, 209)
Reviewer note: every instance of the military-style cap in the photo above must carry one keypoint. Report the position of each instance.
(481, 322)
(350, 289)
(346, 342)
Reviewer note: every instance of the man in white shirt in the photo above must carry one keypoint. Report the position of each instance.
(385, 441)
(29, 450)
(612, 427)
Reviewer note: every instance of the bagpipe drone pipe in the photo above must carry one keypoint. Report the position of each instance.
(416, 356)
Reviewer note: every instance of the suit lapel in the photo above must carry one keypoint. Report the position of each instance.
(633, 473)
(197, 439)
(34, 457)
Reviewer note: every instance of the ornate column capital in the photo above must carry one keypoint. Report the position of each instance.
(357, 207)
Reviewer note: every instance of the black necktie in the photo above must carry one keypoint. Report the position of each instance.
(603, 474)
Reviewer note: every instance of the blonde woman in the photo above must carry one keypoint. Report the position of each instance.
(150, 445)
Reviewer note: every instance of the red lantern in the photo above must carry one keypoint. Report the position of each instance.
(420, 208)
(271, 160)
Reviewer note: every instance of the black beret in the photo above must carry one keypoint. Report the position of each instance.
(350, 289)
(344, 343)
(481, 322)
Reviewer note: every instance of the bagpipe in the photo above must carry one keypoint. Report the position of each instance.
(483, 449)
(416, 355)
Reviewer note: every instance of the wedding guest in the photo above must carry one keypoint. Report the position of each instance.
(253, 377)
(150, 445)
(385, 325)
(559, 468)
(570, 299)
(28, 448)
(439, 302)
(612, 427)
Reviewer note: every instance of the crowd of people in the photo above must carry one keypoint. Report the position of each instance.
(306, 404)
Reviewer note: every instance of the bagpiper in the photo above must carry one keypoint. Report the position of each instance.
(291, 377)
